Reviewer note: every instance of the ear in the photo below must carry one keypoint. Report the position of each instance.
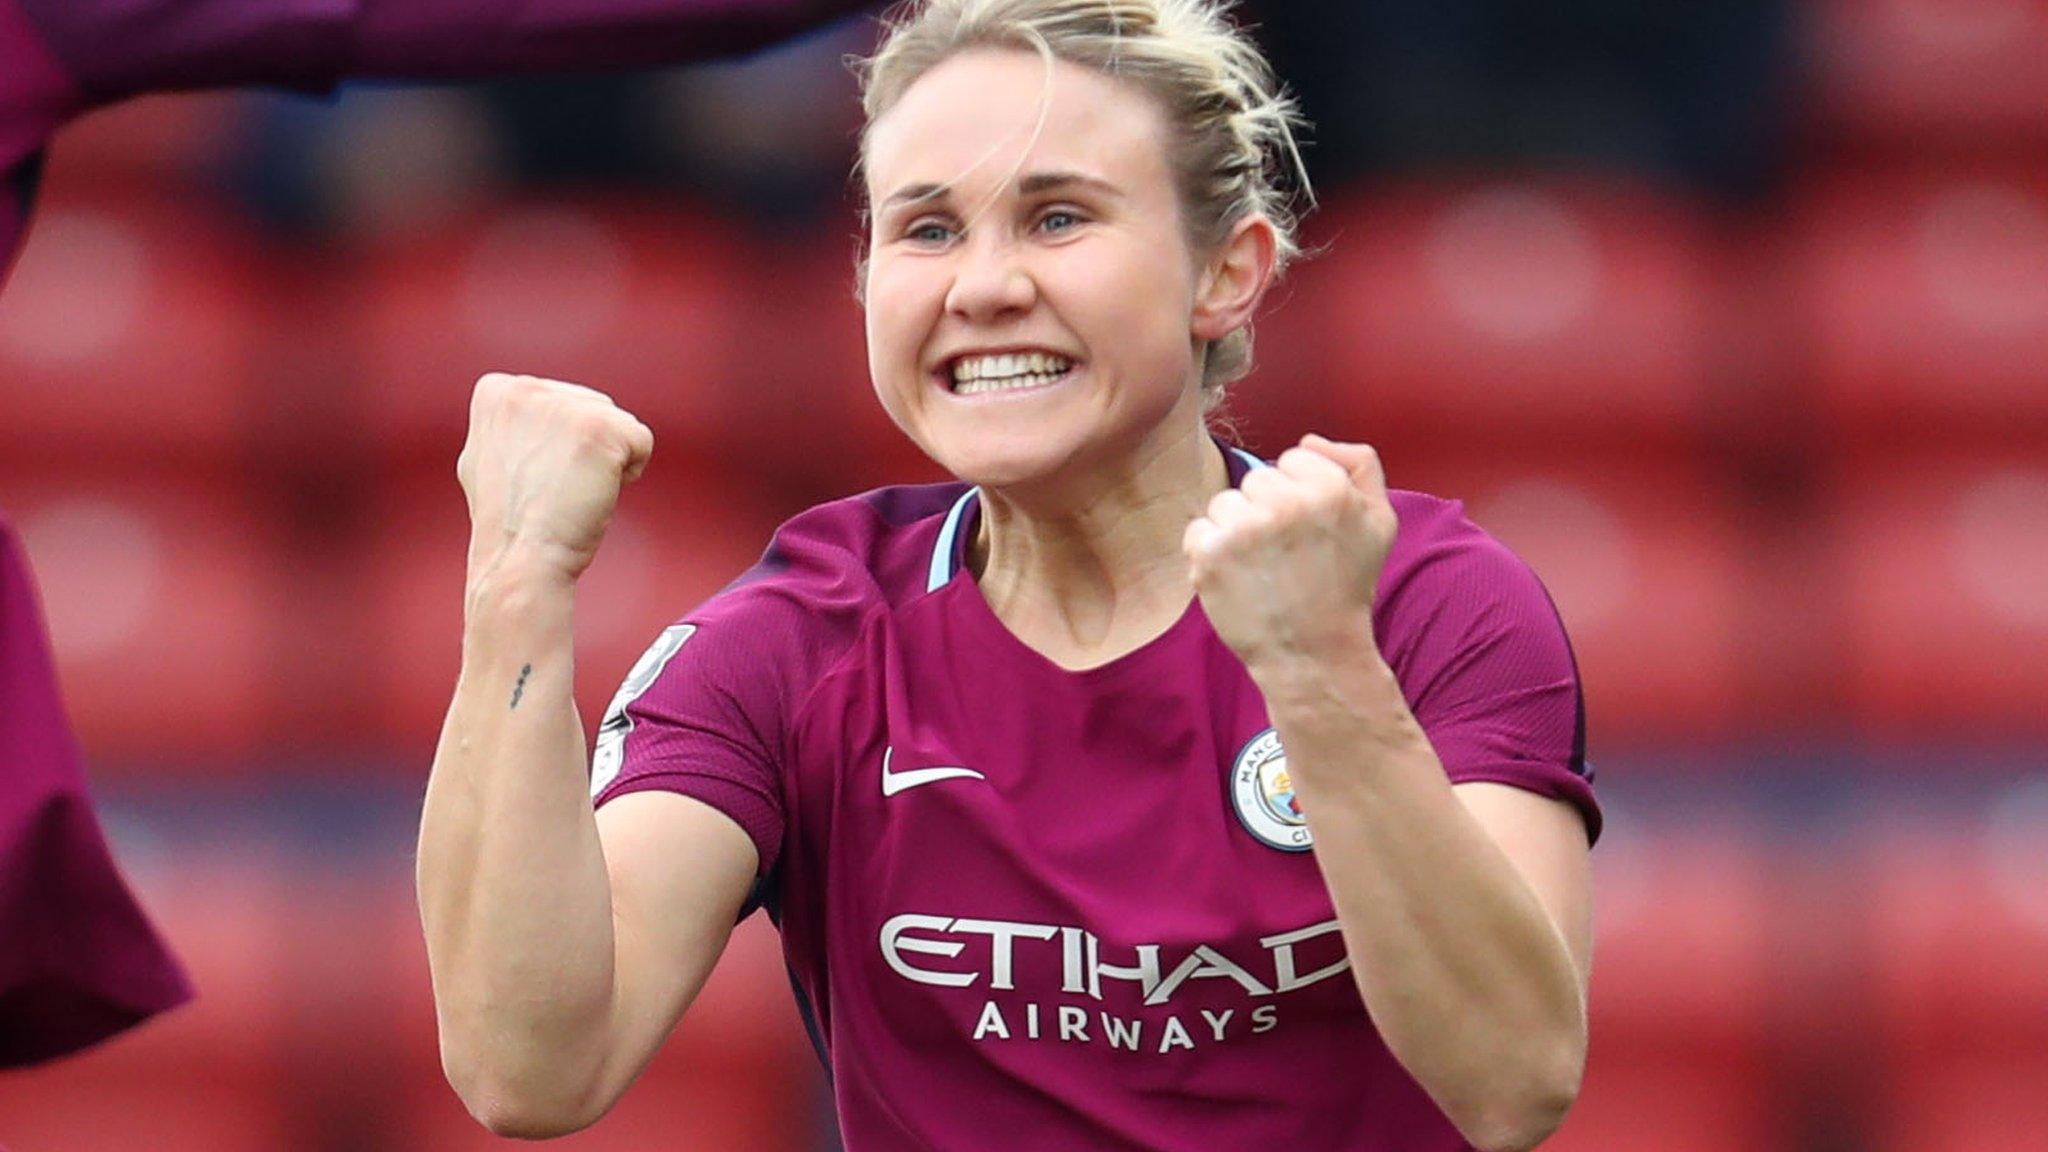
(1235, 278)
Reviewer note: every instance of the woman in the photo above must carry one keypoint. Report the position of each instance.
(1127, 794)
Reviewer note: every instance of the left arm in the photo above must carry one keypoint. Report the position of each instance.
(1466, 910)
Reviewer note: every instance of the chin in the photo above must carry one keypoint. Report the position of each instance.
(1004, 464)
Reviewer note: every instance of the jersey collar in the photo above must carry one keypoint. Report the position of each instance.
(950, 551)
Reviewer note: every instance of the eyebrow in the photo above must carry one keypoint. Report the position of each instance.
(1031, 185)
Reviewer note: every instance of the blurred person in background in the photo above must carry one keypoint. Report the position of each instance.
(78, 959)
(1687, 93)
(1136, 675)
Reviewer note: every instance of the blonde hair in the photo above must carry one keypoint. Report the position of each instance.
(1230, 126)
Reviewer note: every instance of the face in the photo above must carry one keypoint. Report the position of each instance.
(1030, 297)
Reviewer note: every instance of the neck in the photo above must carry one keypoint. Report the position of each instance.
(1091, 568)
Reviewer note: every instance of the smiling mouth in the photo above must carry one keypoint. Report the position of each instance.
(1007, 372)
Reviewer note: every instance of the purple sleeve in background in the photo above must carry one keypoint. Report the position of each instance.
(78, 959)
(120, 47)
(59, 56)
(36, 95)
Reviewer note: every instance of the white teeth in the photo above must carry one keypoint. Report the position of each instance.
(1008, 367)
(1007, 383)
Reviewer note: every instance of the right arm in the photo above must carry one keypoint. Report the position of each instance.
(563, 944)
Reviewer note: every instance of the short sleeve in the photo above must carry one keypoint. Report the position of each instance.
(702, 714)
(708, 710)
(1484, 661)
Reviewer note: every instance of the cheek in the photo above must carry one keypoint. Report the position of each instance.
(898, 319)
(898, 305)
(1144, 282)
(882, 319)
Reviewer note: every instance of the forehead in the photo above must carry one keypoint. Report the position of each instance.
(969, 121)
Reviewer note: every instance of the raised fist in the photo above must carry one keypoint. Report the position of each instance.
(542, 469)
(1287, 563)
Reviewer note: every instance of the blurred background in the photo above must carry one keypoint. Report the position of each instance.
(1732, 318)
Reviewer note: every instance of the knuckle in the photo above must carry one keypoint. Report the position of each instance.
(489, 393)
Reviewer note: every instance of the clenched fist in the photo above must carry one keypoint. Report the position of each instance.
(1286, 564)
(542, 469)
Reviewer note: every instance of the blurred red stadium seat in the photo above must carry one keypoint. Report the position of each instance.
(211, 1076)
(681, 534)
(1923, 301)
(1513, 311)
(1663, 1104)
(1688, 940)
(806, 410)
(151, 141)
(1684, 995)
(1983, 1104)
(132, 327)
(1930, 73)
(1959, 933)
(163, 594)
(635, 300)
(737, 1075)
(1645, 561)
(1958, 950)
(1942, 562)
(1291, 389)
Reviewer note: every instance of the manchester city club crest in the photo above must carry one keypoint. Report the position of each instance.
(1263, 794)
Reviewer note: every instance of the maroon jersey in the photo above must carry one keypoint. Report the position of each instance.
(1027, 907)
(78, 960)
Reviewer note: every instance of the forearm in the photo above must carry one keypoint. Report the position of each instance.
(1462, 969)
(513, 890)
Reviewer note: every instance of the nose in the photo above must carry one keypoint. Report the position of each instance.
(990, 280)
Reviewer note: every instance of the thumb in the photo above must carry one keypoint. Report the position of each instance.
(1361, 461)
(639, 448)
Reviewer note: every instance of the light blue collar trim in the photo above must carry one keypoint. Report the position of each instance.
(944, 552)
(1250, 461)
(949, 535)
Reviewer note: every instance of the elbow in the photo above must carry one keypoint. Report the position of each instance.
(537, 1107)
(524, 1115)
(1517, 1131)
(1520, 1118)
(517, 1124)
(519, 1121)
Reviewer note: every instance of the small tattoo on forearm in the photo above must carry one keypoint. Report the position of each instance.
(519, 689)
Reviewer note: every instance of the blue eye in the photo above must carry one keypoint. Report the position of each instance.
(1058, 220)
(930, 232)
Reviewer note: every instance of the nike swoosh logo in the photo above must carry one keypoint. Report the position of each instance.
(894, 782)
